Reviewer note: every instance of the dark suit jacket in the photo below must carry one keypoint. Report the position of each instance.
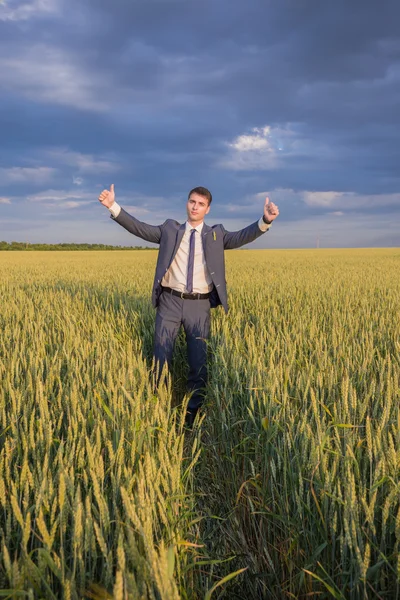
(169, 235)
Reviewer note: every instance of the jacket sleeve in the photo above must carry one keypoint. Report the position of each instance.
(236, 239)
(150, 233)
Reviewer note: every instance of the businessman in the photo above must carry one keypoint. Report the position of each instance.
(189, 279)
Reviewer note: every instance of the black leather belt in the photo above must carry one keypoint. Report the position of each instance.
(185, 295)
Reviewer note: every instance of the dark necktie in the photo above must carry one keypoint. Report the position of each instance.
(189, 280)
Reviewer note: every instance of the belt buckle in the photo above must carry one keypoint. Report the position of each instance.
(182, 295)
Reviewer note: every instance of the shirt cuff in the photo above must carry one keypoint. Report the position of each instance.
(115, 209)
(264, 226)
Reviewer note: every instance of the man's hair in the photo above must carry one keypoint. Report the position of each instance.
(202, 191)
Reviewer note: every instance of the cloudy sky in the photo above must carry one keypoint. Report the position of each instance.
(296, 99)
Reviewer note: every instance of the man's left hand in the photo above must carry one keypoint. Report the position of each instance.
(271, 211)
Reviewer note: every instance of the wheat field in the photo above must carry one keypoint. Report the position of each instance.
(289, 487)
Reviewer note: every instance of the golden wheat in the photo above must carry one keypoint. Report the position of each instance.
(294, 474)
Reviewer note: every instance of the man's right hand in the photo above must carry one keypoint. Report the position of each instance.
(107, 197)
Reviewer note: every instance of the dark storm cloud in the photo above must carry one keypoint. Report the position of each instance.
(169, 92)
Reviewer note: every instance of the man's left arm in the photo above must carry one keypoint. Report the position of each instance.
(236, 239)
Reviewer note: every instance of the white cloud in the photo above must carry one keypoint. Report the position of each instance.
(152, 207)
(323, 199)
(262, 149)
(20, 11)
(256, 141)
(336, 204)
(77, 180)
(85, 163)
(266, 148)
(48, 74)
(26, 174)
(72, 204)
(325, 231)
(63, 199)
(5, 201)
(60, 196)
(349, 200)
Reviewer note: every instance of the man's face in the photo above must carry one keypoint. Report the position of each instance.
(197, 208)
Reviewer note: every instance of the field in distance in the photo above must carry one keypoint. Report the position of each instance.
(288, 487)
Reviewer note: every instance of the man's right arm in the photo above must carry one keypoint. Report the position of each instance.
(150, 233)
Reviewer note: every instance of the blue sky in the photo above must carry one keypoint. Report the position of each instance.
(295, 99)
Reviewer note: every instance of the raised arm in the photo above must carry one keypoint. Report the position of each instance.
(236, 239)
(150, 233)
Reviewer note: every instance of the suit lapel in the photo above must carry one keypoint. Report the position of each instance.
(206, 230)
(205, 235)
(179, 236)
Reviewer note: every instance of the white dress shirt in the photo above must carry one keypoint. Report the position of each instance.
(176, 275)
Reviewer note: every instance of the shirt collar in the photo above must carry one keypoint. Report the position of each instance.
(199, 228)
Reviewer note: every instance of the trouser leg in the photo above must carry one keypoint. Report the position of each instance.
(168, 322)
(196, 322)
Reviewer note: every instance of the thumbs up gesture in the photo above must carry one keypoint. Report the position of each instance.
(107, 197)
(271, 211)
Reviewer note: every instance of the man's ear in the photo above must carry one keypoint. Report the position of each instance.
(208, 209)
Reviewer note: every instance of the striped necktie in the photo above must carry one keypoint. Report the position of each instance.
(189, 280)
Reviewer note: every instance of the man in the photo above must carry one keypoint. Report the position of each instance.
(189, 278)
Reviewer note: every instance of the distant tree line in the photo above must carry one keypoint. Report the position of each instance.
(27, 246)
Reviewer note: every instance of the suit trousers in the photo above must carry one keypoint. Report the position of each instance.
(194, 315)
